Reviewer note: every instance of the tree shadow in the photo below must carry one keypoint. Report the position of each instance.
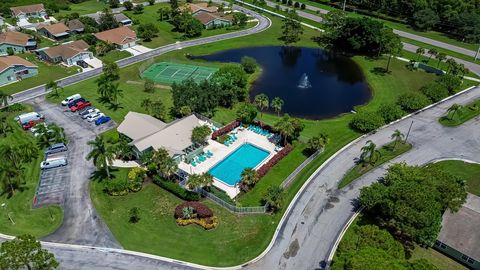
(114, 107)
(101, 175)
(380, 71)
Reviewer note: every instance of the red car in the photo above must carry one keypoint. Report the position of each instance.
(31, 124)
(80, 105)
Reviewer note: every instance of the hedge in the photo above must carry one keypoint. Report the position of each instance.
(224, 130)
(262, 171)
(176, 189)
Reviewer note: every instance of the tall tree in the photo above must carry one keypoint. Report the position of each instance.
(390, 44)
(111, 70)
(432, 52)
(249, 177)
(274, 197)
(425, 19)
(24, 252)
(107, 20)
(4, 126)
(163, 13)
(369, 153)
(420, 51)
(102, 154)
(277, 104)
(262, 102)
(168, 167)
(285, 127)
(292, 28)
(246, 113)
(53, 86)
(440, 57)
(317, 142)
(200, 134)
(397, 137)
(4, 98)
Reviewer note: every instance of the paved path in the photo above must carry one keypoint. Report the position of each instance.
(263, 24)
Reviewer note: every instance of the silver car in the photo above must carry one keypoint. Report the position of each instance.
(93, 112)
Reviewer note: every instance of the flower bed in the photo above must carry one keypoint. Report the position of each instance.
(226, 129)
(274, 160)
(206, 223)
(200, 210)
(188, 213)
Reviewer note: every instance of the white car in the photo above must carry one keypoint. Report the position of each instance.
(95, 117)
(90, 112)
(70, 99)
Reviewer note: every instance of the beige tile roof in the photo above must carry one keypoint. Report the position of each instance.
(27, 9)
(15, 38)
(120, 35)
(205, 18)
(54, 29)
(199, 6)
(460, 230)
(67, 50)
(138, 125)
(8, 61)
(75, 24)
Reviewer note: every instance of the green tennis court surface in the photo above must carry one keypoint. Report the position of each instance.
(167, 72)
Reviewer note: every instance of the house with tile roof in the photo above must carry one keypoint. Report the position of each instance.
(14, 68)
(55, 31)
(198, 8)
(75, 26)
(119, 18)
(122, 37)
(24, 12)
(67, 53)
(214, 20)
(18, 42)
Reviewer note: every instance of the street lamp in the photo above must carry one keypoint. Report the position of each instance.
(476, 54)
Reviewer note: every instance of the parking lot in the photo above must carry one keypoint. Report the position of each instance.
(55, 184)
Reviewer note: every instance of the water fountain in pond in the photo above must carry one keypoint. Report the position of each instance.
(304, 82)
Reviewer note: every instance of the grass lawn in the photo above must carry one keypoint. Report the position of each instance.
(38, 222)
(236, 239)
(387, 152)
(464, 114)
(86, 7)
(115, 55)
(46, 72)
(467, 171)
(441, 261)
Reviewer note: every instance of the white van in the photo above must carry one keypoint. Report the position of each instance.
(70, 98)
(53, 163)
(27, 117)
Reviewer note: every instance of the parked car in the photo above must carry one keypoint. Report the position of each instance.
(27, 117)
(95, 111)
(31, 124)
(95, 117)
(85, 110)
(102, 120)
(75, 101)
(80, 105)
(53, 163)
(56, 148)
(70, 99)
(82, 63)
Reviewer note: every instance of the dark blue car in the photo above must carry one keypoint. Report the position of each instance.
(74, 102)
(102, 120)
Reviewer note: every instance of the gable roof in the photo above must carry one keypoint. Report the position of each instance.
(75, 24)
(27, 9)
(14, 38)
(199, 6)
(9, 61)
(120, 35)
(67, 50)
(138, 125)
(54, 29)
(206, 18)
(460, 230)
(119, 17)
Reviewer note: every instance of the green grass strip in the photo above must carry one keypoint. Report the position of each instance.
(464, 114)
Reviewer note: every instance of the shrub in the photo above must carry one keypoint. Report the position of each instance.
(262, 171)
(128, 5)
(176, 189)
(390, 112)
(366, 121)
(296, 5)
(136, 173)
(289, 2)
(249, 64)
(303, 6)
(435, 91)
(199, 210)
(284, 2)
(149, 86)
(226, 129)
(451, 82)
(246, 113)
(118, 187)
(134, 215)
(412, 101)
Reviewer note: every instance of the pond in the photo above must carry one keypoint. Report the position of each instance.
(313, 83)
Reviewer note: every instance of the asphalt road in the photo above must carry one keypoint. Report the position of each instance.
(263, 24)
(317, 218)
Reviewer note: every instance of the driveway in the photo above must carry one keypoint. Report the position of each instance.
(138, 49)
(81, 223)
(93, 63)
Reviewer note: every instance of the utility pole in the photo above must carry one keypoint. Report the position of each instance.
(408, 133)
(345, 2)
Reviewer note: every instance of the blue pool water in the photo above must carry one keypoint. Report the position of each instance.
(229, 169)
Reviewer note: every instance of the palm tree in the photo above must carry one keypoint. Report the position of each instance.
(452, 110)
(440, 57)
(194, 181)
(56, 133)
(397, 137)
(450, 64)
(261, 101)
(274, 197)
(11, 177)
(4, 98)
(277, 104)
(103, 86)
(53, 86)
(420, 51)
(369, 153)
(432, 52)
(168, 167)
(249, 178)
(101, 154)
(207, 180)
(318, 142)
(285, 127)
(115, 92)
(43, 138)
(4, 126)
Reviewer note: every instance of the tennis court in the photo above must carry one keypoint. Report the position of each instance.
(167, 72)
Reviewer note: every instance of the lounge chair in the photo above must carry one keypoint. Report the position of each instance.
(210, 153)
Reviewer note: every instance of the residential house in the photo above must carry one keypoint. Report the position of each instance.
(148, 133)
(24, 12)
(75, 26)
(214, 20)
(119, 17)
(459, 237)
(122, 37)
(68, 53)
(19, 42)
(199, 8)
(56, 31)
(14, 68)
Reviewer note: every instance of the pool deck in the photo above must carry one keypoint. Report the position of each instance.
(221, 151)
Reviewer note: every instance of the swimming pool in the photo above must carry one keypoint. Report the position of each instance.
(229, 169)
